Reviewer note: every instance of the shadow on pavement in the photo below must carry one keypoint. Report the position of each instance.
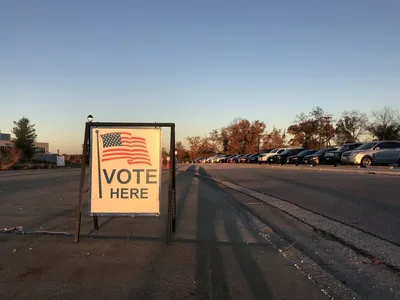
(208, 258)
(182, 181)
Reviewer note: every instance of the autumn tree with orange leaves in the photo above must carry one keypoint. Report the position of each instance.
(314, 130)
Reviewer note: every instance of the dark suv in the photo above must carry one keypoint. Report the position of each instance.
(318, 158)
(335, 157)
(281, 158)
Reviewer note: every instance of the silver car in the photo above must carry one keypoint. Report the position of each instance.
(376, 153)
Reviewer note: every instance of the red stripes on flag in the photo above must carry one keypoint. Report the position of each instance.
(134, 149)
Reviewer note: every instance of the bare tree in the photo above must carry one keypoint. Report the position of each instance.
(351, 126)
(181, 151)
(194, 145)
(386, 125)
(220, 138)
(240, 135)
(274, 139)
(257, 131)
(200, 146)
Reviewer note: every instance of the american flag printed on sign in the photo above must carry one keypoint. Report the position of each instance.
(122, 145)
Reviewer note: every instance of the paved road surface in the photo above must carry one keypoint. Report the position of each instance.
(216, 254)
(367, 202)
(362, 262)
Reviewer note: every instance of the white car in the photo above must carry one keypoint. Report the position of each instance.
(262, 158)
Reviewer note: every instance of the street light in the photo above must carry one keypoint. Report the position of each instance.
(90, 120)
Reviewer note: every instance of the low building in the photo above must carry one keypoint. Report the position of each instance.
(5, 136)
(5, 141)
(42, 147)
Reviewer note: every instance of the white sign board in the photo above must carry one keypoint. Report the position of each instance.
(125, 171)
(60, 161)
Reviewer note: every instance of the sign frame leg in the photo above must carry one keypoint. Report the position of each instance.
(96, 223)
(173, 174)
(171, 189)
(81, 186)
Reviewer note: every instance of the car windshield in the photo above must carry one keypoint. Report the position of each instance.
(367, 146)
(343, 148)
(286, 152)
(274, 150)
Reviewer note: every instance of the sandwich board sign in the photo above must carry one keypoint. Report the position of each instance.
(125, 171)
(125, 164)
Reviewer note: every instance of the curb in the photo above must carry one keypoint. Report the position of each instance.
(369, 245)
(333, 169)
(324, 281)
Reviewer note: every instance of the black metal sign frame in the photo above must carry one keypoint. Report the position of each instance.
(171, 216)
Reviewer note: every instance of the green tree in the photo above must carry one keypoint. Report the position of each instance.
(25, 137)
(313, 130)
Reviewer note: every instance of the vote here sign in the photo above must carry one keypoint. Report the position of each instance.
(125, 171)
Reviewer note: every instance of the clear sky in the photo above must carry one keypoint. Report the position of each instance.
(199, 64)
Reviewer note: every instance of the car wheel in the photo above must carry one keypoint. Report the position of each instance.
(366, 161)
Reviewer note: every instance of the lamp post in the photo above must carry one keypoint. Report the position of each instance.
(89, 120)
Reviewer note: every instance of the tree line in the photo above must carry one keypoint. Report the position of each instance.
(314, 130)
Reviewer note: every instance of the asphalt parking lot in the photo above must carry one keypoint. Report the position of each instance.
(216, 253)
(343, 220)
(243, 232)
(366, 201)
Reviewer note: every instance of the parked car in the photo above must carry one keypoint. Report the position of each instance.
(335, 157)
(237, 158)
(243, 158)
(298, 159)
(263, 157)
(210, 159)
(251, 156)
(281, 158)
(318, 158)
(226, 158)
(231, 159)
(253, 159)
(376, 153)
(220, 157)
